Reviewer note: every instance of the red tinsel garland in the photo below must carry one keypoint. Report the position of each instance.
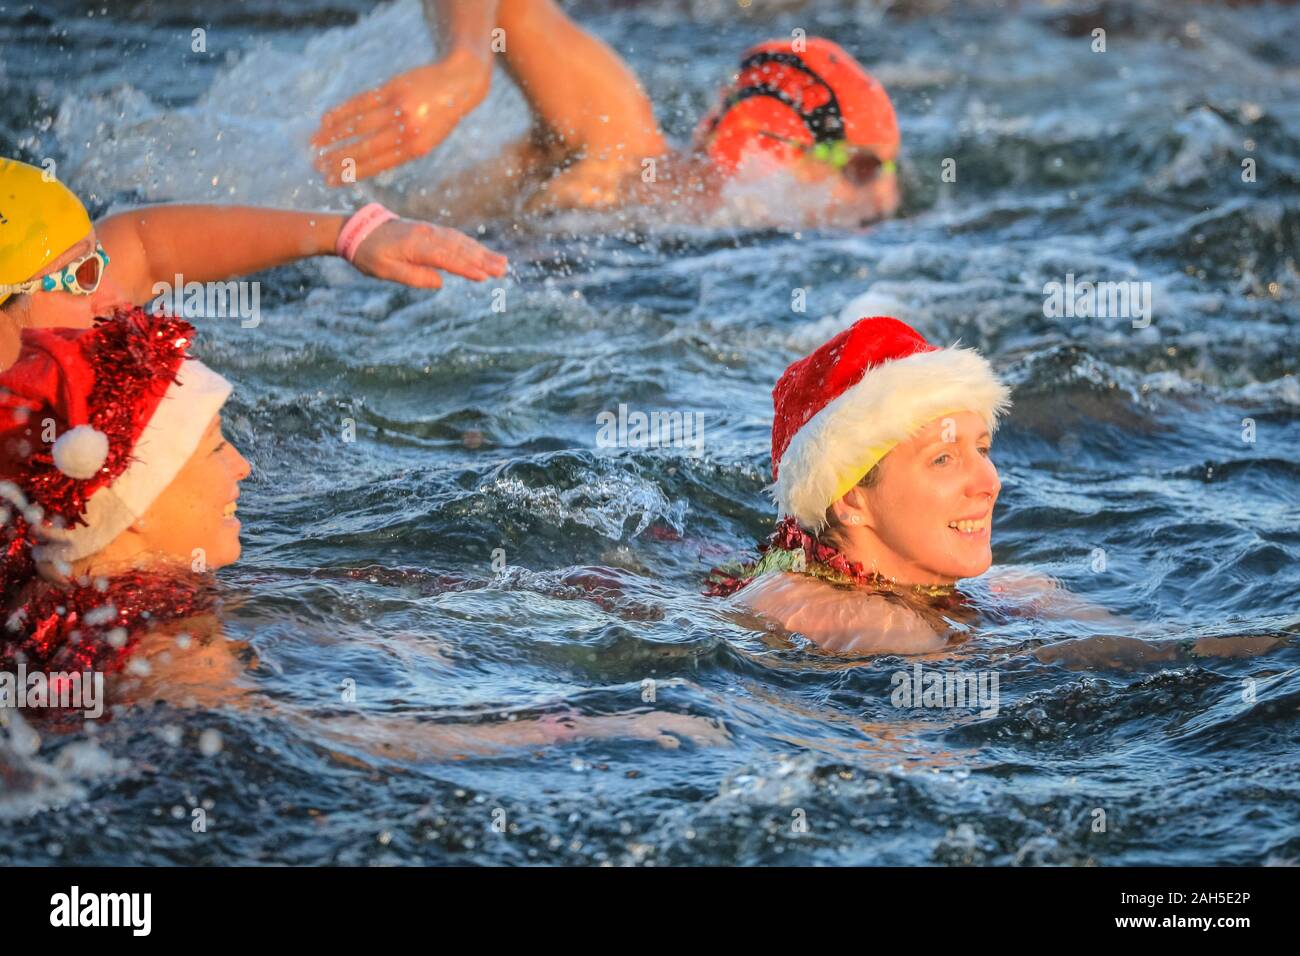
(94, 625)
(136, 357)
(789, 536)
(824, 561)
(45, 626)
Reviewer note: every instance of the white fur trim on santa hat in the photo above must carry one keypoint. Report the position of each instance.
(890, 404)
(164, 446)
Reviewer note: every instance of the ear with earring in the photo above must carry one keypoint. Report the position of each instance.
(855, 519)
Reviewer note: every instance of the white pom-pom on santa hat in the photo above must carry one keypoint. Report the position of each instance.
(80, 452)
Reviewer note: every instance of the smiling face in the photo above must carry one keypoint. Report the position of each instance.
(197, 510)
(927, 518)
(193, 517)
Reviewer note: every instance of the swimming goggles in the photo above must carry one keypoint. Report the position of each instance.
(79, 277)
(857, 165)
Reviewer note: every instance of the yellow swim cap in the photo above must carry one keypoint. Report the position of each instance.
(40, 219)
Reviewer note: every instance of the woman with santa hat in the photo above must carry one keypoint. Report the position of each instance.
(885, 488)
(117, 501)
(886, 491)
(118, 493)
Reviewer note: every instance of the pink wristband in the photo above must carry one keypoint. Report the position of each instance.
(359, 227)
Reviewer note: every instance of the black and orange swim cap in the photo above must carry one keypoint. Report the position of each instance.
(808, 92)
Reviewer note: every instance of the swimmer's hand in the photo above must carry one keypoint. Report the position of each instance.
(401, 120)
(412, 253)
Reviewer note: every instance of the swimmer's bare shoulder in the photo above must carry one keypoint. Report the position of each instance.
(188, 662)
(840, 619)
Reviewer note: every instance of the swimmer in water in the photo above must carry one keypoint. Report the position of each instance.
(886, 490)
(804, 110)
(57, 269)
(119, 507)
(880, 451)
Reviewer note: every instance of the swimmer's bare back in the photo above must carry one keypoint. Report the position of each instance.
(840, 619)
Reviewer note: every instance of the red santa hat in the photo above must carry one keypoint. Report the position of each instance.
(95, 423)
(840, 410)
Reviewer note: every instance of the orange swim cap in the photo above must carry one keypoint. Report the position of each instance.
(817, 95)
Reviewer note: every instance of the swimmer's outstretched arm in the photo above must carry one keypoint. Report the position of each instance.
(155, 244)
(1119, 652)
(587, 104)
(1046, 597)
(414, 111)
(411, 740)
(584, 98)
(205, 670)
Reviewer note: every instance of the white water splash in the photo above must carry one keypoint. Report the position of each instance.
(30, 784)
(246, 139)
(602, 502)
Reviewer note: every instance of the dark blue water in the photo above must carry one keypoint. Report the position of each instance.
(476, 439)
